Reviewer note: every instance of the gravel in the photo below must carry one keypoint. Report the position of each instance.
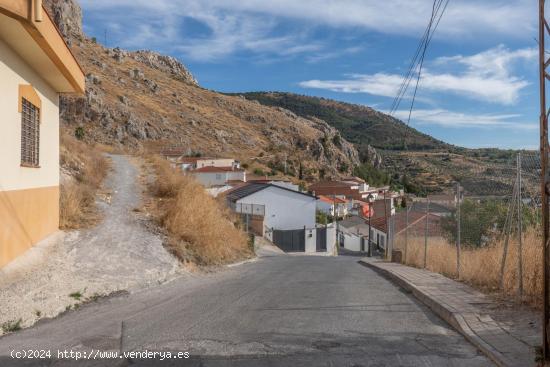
(119, 254)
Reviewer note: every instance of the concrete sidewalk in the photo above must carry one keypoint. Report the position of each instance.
(460, 306)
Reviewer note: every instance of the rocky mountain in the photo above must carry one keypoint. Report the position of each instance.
(426, 164)
(144, 100)
(359, 124)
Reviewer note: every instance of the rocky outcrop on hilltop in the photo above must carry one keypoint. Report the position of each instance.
(166, 64)
(67, 15)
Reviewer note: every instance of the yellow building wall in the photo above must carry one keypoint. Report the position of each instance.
(29, 197)
(26, 217)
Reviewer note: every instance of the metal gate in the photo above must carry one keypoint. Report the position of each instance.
(321, 239)
(291, 240)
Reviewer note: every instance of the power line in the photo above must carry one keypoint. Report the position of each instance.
(422, 45)
(427, 44)
(418, 59)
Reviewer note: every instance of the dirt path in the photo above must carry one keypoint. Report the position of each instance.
(118, 254)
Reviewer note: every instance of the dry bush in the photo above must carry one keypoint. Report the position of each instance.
(87, 168)
(480, 267)
(200, 228)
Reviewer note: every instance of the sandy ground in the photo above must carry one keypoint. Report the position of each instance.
(119, 254)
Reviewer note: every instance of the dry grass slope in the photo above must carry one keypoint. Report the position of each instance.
(200, 229)
(86, 168)
(481, 267)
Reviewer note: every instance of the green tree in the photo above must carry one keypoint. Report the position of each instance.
(321, 217)
(371, 174)
(479, 221)
(259, 172)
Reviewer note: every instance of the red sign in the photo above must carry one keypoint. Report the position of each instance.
(367, 211)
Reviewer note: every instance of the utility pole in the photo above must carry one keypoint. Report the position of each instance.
(426, 232)
(387, 226)
(406, 233)
(520, 232)
(458, 229)
(543, 75)
(336, 218)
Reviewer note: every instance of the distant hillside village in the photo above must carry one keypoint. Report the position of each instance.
(331, 216)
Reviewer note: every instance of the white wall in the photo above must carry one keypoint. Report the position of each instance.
(13, 72)
(311, 239)
(237, 176)
(381, 236)
(351, 241)
(284, 209)
(209, 179)
(331, 239)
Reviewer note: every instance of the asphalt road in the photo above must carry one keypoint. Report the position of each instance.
(278, 311)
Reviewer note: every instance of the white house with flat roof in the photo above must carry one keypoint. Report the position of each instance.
(210, 176)
(35, 67)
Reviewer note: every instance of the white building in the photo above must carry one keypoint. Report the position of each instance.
(193, 163)
(332, 206)
(353, 234)
(210, 176)
(35, 67)
(282, 209)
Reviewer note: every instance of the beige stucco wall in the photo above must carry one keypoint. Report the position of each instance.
(14, 72)
(29, 197)
(26, 217)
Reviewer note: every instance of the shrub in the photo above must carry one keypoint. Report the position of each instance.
(11, 326)
(200, 229)
(259, 172)
(88, 167)
(79, 133)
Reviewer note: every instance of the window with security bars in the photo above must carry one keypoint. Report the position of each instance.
(30, 134)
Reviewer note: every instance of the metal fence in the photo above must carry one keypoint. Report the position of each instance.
(252, 209)
(484, 228)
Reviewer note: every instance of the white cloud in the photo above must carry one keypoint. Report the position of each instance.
(465, 17)
(488, 77)
(328, 55)
(241, 25)
(379, 84)
(452, 119)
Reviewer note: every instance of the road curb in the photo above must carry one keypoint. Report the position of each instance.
(456, 319)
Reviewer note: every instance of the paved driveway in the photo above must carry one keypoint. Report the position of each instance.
(278, 311)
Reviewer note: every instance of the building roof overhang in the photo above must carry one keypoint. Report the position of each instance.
(26, 28)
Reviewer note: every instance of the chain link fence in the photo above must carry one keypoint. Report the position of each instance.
(486, 230)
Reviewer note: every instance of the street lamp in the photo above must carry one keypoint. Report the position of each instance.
(370, 201)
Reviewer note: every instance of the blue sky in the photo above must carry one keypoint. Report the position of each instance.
(479, 86)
